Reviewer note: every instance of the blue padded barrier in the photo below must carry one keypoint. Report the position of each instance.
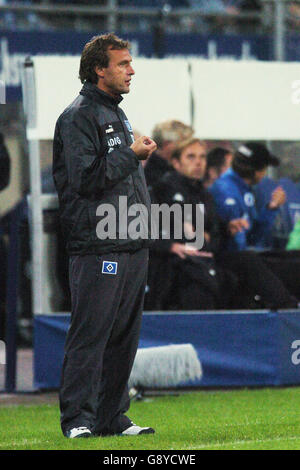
(249, 348)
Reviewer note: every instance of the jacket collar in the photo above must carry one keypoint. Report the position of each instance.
(179, 178)
(232, 174)
(94, 93)
(192, 183)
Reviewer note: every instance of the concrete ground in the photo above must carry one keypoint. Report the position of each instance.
(25, 393)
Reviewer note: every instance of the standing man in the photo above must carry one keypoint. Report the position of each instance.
(95, 162)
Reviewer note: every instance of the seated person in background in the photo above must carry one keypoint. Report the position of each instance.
(206, 279)
(216, 6)
(293, 15)
(234, 198)
(166, 135)
(191, 272)
(218, 161)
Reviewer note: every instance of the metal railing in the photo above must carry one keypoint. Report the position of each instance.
(113, 13)
(112, 8)
(273, 15)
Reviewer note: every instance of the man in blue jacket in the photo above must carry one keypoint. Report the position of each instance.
(246, 226)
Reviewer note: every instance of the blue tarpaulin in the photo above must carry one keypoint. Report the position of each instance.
(235, 349)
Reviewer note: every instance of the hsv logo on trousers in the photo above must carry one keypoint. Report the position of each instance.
(109, 267)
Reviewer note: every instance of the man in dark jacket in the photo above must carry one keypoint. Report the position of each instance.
(190, 278)
(96, 168)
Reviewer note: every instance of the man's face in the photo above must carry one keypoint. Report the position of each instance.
(192, 162)
(259, 175)
(115, 79)
(227, 163)
(215, 172)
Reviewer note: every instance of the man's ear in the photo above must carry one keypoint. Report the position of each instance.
(212, 173)
(99, 71)
(175, 163)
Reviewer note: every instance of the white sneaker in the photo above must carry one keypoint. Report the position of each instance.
(82, 431)
(135, 430)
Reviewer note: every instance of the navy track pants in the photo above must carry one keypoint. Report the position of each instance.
(107, 293)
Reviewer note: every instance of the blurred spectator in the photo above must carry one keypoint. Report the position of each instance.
(22, 20)
(4, 181)
(189, 276)
(153, 3)
(293, 10)
(230, 7)
(7, 18)
(290, 162)
(183, 277)
(218, 161)
(143, 22)
(234, 197)
(166, 134)
(215, 7)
